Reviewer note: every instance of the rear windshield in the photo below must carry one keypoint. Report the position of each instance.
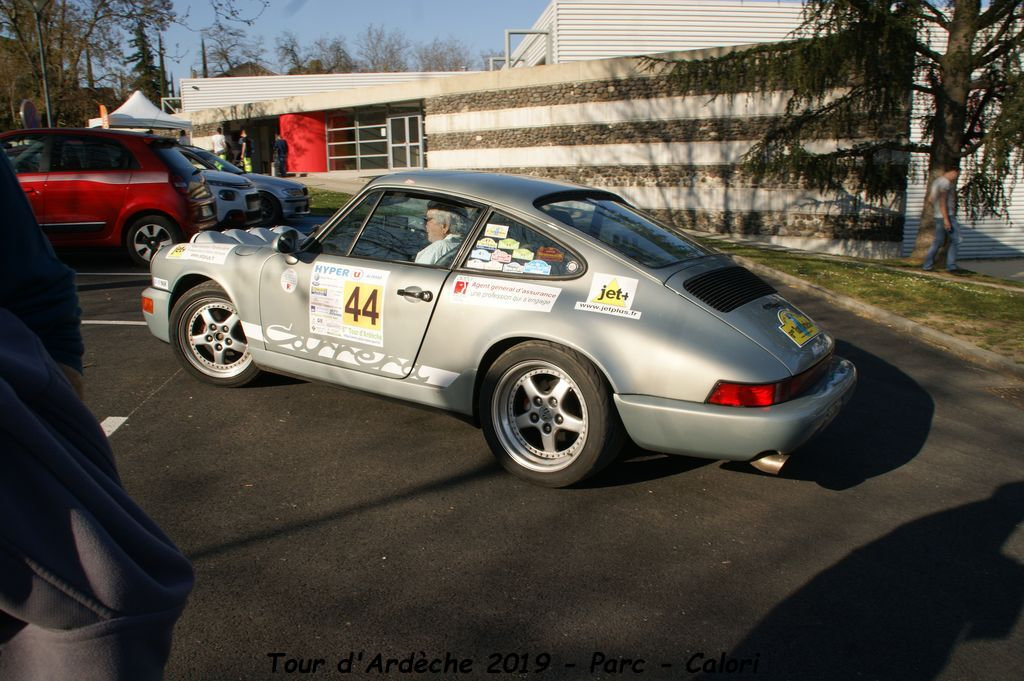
(175, 160)
(625, 230)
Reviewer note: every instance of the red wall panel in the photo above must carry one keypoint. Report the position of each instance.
(306, 136)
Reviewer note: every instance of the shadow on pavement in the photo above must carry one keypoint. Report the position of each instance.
(897, 608)
(883, 427)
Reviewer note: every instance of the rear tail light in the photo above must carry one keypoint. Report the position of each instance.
(730, 394)
(180, 184)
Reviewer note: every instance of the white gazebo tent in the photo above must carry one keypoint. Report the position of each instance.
(139, 112)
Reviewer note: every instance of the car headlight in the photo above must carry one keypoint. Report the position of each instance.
(226, 194)
(295, 192)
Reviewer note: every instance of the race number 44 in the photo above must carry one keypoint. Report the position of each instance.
(362, 305)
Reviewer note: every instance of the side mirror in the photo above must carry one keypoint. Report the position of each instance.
(286, 242)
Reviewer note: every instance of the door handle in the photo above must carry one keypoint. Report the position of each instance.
(416, 292)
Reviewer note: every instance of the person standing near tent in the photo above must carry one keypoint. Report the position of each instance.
(220, 144)
(183, 138)
(280, 155)
(245, 152)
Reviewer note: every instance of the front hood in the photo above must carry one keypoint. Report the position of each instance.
(218, 178)
(269, 181)
(750, 305)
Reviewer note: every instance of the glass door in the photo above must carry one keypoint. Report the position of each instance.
(404, 143)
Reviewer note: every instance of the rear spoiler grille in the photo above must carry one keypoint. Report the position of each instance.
(728, 288)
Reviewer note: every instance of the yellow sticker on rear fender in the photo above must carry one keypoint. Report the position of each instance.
(798, 327)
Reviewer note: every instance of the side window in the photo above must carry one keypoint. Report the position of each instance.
(507, 245)
(415, 228)
(87, 153)
(341, 235)
(26, 153)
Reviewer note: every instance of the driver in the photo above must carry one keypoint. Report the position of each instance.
(446, 226)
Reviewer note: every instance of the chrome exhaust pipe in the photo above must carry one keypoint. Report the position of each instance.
(771, 463)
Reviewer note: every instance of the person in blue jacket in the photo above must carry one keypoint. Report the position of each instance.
(90, 587)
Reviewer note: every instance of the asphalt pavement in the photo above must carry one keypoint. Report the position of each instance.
(329, 525)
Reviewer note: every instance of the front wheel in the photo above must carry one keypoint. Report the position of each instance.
(270, 210)
(548, 416)
(149, 234)
(207, 336)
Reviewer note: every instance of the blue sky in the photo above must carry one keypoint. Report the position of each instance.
(480, 24)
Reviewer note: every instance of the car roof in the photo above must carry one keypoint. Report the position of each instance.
(492, 187)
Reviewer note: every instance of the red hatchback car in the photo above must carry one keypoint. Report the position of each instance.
(96, 187)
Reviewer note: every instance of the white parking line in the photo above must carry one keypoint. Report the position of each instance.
(112, 274)
(112, 423)
(111, 322)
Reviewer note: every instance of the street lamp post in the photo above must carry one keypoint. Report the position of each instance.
(39, 6)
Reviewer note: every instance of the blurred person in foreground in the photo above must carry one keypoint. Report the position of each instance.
(90, 587)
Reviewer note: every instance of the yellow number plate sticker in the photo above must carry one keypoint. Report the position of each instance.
(362, 305)
(798, 327)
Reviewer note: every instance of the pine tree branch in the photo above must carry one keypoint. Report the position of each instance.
(928, 12)
(996, 12)
(1006, 48)
(997, 39)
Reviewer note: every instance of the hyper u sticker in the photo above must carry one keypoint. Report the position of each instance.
(348, 302)
(489, 244)
(611, 294)
(799, 328)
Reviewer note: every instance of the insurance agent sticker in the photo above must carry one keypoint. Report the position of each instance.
(504, 293)
(799, 328)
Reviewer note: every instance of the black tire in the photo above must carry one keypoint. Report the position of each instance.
(147, 235)
(207, 337)
(270, 210)
(539, 386)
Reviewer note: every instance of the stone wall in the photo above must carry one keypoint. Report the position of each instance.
(845, 217)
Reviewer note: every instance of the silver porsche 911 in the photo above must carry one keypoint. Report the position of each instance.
(558, 317)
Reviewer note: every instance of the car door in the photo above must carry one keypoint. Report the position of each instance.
(360, 301)
(86, 187)
(29, 157)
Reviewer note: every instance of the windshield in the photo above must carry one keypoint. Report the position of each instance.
(625, 230)
(212, 161)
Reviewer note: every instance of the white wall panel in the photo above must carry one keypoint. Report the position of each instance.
(208, 93)
(645, 154)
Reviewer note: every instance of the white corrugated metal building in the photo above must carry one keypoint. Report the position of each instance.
(600, 29)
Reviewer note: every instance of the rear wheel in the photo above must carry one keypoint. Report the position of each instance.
(548, 415)
(149, 234)
(207, 336)
(270, 210)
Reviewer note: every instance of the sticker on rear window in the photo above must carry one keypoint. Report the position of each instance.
(799, 328)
